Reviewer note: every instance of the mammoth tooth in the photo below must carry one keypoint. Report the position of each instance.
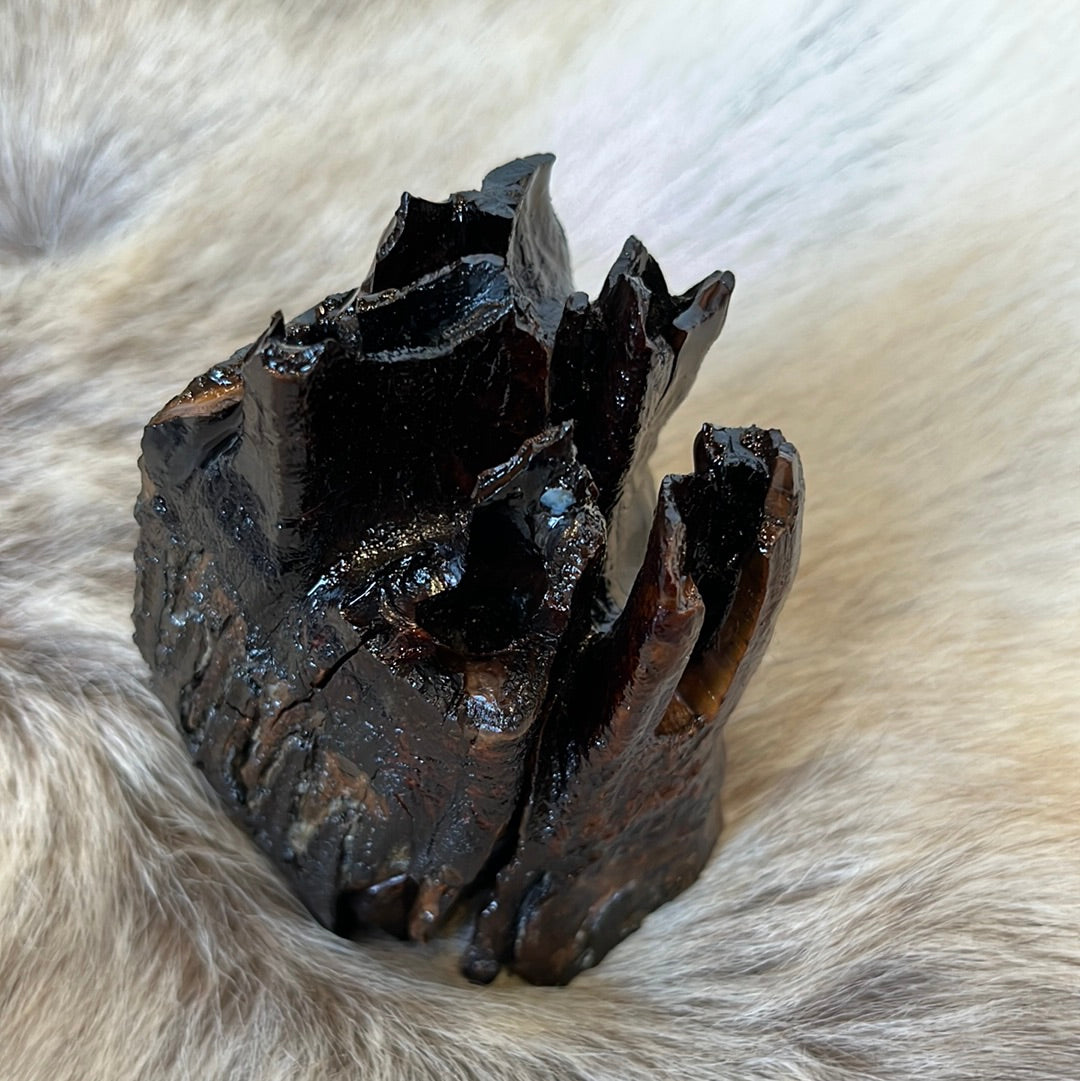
(399, 585)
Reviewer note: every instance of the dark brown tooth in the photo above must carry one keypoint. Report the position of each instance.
(404, 588)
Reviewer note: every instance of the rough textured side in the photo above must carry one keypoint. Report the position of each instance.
(390, 649)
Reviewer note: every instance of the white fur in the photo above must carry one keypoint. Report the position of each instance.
(897, 891)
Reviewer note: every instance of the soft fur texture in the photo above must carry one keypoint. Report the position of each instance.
(897, 892)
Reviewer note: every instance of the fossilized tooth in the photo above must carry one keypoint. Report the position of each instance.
(397, 585)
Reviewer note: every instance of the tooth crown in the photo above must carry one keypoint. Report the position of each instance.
(397, 586)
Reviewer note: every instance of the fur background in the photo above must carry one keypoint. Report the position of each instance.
(897, 892)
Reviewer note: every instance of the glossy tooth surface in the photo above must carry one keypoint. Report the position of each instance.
(400, 587)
